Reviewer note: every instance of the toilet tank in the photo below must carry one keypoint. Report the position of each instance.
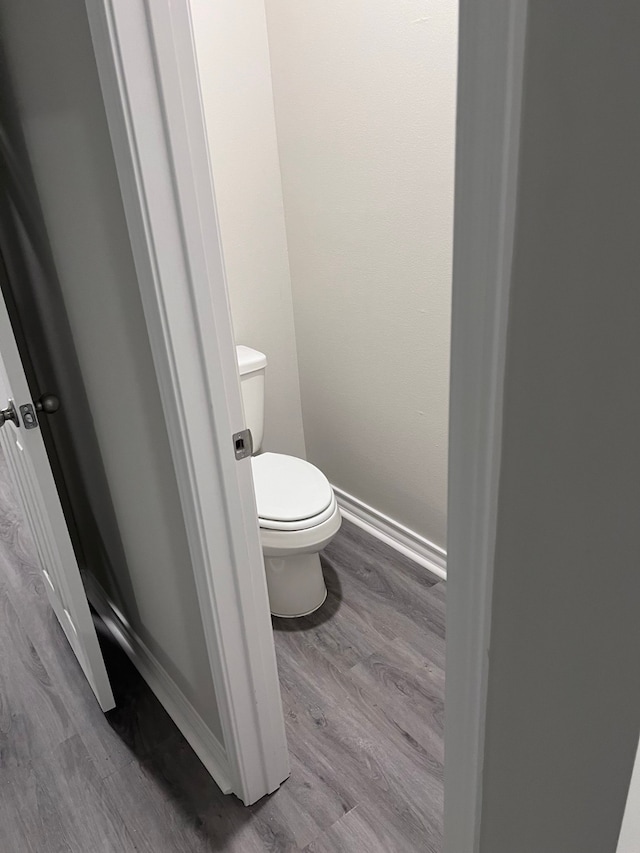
(251, 365)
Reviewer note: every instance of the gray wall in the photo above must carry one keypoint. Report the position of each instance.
(563, 709)
(365, 111)
(65, 214)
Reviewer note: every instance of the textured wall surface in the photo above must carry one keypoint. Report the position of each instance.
(365, 110)
(233, 55)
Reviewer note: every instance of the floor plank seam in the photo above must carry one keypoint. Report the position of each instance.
(362, 694)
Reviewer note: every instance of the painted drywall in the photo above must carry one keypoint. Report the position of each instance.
(365, 111)
(563, 708)
(68, 211)
(233, 59)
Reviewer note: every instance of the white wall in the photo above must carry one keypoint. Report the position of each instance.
(563, 708)
(49, 73)
(365, 102)
(233, 55)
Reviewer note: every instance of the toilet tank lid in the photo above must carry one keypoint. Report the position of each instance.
(250, 360)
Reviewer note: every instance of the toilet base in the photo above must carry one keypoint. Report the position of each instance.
(296, 585)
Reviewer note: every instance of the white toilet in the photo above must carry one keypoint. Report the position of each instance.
(297, 509)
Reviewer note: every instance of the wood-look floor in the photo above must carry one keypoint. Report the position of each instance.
(362, 685)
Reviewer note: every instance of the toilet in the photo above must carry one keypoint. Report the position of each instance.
(297, 509)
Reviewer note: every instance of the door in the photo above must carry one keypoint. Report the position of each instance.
(149, 76)
(35, 487)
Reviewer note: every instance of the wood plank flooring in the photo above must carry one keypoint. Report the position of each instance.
(362, 684)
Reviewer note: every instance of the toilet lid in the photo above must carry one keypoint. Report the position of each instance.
(288, 488)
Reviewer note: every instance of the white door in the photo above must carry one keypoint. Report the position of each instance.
(149, 76)
(27, 460)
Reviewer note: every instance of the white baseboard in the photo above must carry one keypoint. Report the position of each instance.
(200, 737)
(404, 540)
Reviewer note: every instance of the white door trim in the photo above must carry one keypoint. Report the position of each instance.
(148, 73)
(492, 47)
(399, 537)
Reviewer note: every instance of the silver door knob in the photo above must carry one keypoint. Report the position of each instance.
(9, 414)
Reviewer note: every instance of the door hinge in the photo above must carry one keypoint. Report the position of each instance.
(243, 444)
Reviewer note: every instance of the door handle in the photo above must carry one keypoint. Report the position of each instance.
(48, 404)
(9, 414)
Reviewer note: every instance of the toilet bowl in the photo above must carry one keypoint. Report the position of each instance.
(297, 510)
(298, 516)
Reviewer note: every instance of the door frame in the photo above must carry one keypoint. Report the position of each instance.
(148, 74)
(490, 81)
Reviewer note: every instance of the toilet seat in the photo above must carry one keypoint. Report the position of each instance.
(288, 543)
(291, 494)
(298, 512)
(302, 524)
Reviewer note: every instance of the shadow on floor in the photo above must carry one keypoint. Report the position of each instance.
(324, 613)
(165, 777)
(166, 773)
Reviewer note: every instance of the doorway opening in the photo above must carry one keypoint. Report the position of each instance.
(385, 591)
(334, 182)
